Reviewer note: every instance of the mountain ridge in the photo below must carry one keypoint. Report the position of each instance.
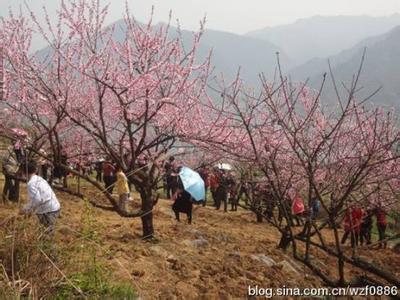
(322, 36)
(380, 69)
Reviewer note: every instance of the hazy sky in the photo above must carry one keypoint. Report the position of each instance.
(233, 15)
(230, 15)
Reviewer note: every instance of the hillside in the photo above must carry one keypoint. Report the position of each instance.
(214, 258)
(217, 257)
(381, 68)
(322, 36)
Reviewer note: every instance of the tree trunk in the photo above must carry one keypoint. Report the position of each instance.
(341, 281)
(147, 225)
(259, 217)
(147, 217)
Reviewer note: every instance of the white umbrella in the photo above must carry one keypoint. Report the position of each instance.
(224, 166)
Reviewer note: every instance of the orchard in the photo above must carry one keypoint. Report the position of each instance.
(91, 97)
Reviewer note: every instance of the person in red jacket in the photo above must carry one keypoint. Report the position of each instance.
(352, 224)
(381, 223)
(298, 209)
(213, 183)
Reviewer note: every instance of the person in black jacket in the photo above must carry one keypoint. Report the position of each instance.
(226, 181)
(99, 170)
(366, 227)
(59, 171)
(170, 169)
(183, 203)
(10, 164)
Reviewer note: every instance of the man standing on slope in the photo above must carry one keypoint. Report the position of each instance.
(43, 202)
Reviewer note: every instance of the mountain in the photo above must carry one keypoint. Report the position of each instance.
(380, 69)
(322, 36)
(253, 55)
(229, 52)
(320, 65)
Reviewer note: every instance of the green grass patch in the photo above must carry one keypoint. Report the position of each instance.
(94, 284)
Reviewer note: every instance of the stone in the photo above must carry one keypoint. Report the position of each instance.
(173, 263)
(196, 243)
(171, 259)
(288, 268)
(197, 233)
(293, 263)
(158, 251)
(264, 259)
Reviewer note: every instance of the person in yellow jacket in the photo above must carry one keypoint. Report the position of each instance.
(122, 188)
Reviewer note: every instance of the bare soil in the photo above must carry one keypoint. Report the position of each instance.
(216, 257)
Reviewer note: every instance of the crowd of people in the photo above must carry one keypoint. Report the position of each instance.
(55, 172)
(221, 184)
(358, 225)
(15, 157)
(113, 178)
(222, 188)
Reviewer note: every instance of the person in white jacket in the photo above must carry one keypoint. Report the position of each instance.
(42, 200)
